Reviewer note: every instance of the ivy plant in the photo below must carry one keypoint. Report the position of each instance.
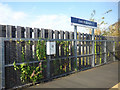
(32, 72)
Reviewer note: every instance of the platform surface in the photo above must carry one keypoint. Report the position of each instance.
(105, 76)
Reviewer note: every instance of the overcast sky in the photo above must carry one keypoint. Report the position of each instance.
(55, 15)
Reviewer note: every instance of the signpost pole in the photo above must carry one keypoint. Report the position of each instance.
(93, 48)
(75, 46)
(82, 22)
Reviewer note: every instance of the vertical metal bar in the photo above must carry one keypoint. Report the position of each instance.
(79, 51)
(57, 52)
(93, 48)
(86, 50)
(66, 54)
(2, 64)
(96, 49)
(50, 36)
(83, 43)
(48, 66)
(75, 45)
(19, 34)
(99, 51)
(89, 51)
(113, 50)
(105, 61)
(71, 51)
(62, 49)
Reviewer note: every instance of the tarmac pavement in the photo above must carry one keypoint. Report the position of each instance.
(105, 76)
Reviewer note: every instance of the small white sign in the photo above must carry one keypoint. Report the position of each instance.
(51, 48)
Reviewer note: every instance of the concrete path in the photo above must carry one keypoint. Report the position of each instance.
(105, 76)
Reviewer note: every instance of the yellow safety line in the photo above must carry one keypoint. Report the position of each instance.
(117, 86)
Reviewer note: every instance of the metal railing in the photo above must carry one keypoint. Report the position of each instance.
(90, 52)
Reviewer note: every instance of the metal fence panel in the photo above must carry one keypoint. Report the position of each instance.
(90, 52)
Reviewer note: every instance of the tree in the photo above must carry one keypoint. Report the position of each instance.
(114, 29)
(101, 22)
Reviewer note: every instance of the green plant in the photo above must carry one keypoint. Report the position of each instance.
(32, 72)
(41, 50)
(65, 46)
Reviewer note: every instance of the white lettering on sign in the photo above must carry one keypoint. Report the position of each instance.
(85, 22)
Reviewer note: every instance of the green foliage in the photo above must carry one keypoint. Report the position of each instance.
(15, 67)
(32, 73)
(41, 50)
(22, 55)
(65, 46)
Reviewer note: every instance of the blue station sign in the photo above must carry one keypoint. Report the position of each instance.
(82, 22)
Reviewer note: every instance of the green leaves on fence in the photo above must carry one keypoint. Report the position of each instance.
(15, 67)
(31, 72)
(41, 50)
